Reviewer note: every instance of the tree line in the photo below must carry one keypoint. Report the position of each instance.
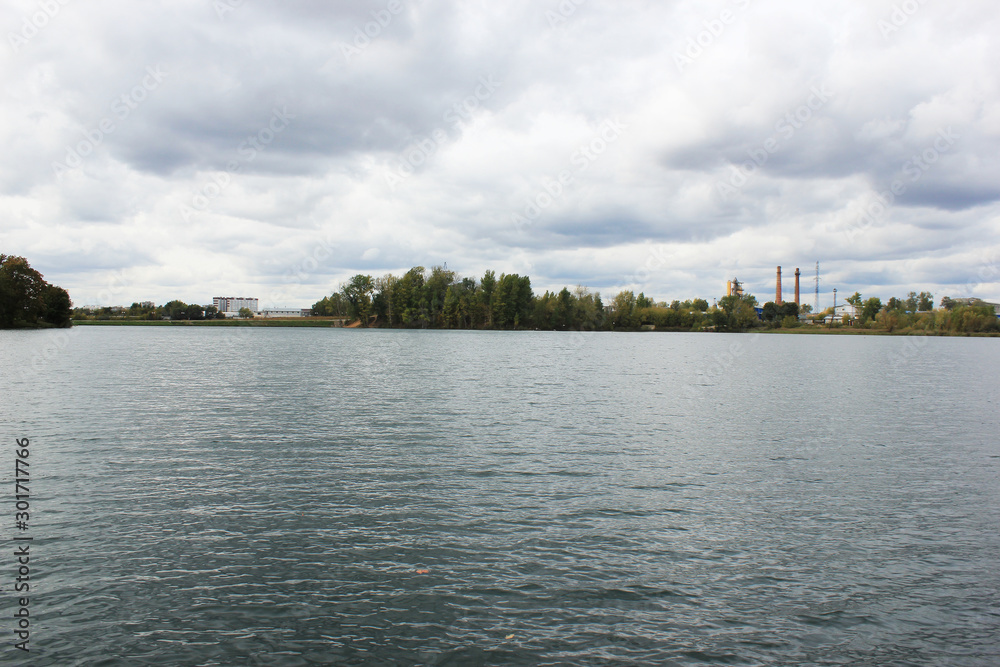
(916, 313)
(27, 300)
(443, 300)
(172, 310)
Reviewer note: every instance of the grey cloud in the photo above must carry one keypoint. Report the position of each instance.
(369, 87)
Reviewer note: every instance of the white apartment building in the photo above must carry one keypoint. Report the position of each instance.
(232, 304)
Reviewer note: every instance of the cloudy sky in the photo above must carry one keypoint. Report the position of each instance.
(195, 148)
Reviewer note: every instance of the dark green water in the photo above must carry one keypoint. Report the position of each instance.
(272, 496)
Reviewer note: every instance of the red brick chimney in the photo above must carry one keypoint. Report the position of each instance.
(796, 286)
(777, 289)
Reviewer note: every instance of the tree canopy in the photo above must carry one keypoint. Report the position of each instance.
(27, 300)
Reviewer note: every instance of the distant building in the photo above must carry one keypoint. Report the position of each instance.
(977, 302)
(232, 304)
(287, 312)
(840, 311)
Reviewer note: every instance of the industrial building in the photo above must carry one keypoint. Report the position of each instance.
(233, 304)
(735, 287)
(289, 312)
(778, 295)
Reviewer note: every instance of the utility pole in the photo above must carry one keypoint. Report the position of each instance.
(816, 304)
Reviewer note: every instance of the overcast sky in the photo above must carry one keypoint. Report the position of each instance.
(198, 148)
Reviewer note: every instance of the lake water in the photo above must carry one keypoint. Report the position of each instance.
(220, 496)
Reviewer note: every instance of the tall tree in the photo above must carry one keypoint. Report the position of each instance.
(487, 286)
(358, 293)
(58, 308)
(870, 309)
(21, 292)
(925, 301)
(856, 301)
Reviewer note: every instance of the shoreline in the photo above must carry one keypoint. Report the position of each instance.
(334, 323)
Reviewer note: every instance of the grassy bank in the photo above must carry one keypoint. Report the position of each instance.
(808, 330)
(859, 331)
(270, 322)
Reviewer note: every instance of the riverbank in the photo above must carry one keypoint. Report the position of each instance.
(268, 322)
(823, 330)
(332, 322)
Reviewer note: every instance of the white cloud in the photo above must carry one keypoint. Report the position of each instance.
(193, 192)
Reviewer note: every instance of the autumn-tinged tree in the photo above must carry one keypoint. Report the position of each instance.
(736, 312)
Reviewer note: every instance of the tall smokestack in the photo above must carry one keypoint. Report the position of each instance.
(796, 286)
(777, 289)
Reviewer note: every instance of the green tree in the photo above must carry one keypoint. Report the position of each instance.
(564, 313)
(512, 301)
(21, 293)
(245, 313)
(788, 309)
(925, 301)
(382, 301)
(769, 312)
(623, 311)
(358, 293)
(57, 307)
(870, 309)
(589, 309)
(175, 310)
(856, 301)
(487, 286)
(736, 313)
(407, 299)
